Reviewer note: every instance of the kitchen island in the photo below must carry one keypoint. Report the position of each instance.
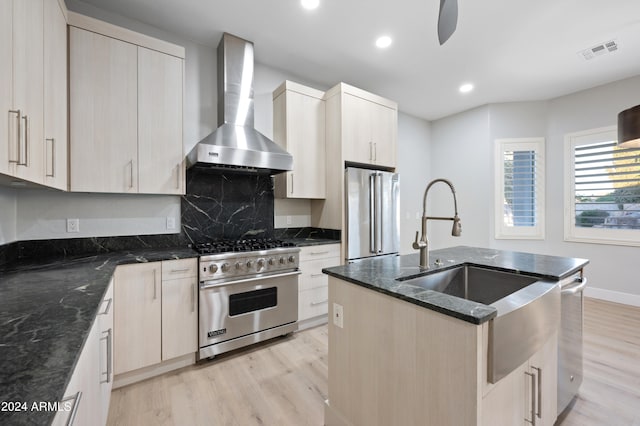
(399, 354)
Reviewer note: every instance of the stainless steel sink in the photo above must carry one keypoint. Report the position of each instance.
(528, 310)
(480, 285)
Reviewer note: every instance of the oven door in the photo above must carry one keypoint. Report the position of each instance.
(241, 308)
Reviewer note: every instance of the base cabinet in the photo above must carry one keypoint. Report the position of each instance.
(313, 299)
(155, 313)
(86, 398)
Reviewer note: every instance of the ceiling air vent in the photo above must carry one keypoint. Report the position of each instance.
(599, 50)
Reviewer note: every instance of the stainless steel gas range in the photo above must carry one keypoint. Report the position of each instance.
(248, 293)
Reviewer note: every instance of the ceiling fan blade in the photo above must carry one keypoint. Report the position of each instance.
(447, 19)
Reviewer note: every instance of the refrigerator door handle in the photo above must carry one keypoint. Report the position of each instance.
(372, 213)
(378, 214)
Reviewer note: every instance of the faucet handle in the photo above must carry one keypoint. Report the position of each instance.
(417, 245)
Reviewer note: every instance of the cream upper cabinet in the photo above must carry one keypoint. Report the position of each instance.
(8, 137)
(55, 96)
(160, 153)
(103, 113)
(138, 307)
(21, 47)
(126, 99)
(369, 129)
(299, 128)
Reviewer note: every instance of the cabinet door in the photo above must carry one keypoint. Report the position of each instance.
(179, 317)
(81, 400)
(357, 145)
(160, 155)
(55, 96)
(137, 316)
(306, 142)
(383, 134)
(103, 113)
(544, 368)
(504, 405)
(8, 136)
(28, 86)
(106, 352)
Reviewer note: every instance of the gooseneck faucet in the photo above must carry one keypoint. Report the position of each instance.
(423, 244)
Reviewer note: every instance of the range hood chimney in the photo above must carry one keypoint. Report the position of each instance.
(235, 144)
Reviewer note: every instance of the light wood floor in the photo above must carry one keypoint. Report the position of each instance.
(284, 382)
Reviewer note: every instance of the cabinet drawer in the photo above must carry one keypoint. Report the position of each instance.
(319, 252)
(182, 268)
(312, 276)
(312, 303)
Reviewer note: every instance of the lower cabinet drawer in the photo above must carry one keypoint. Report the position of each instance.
(313, 303)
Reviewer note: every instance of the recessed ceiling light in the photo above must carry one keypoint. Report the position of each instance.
(466, 88)
(310, 4)
(383, 42)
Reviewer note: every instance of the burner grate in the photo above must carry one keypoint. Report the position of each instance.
(247, 245)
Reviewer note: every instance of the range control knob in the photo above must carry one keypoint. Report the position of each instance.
(213, 268)
(238, 265)
(292, 259)
(282, 260)
(261, 263)
(272, 261)
(249, 264)
(225, 267)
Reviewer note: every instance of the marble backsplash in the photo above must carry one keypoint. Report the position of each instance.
(227, 205)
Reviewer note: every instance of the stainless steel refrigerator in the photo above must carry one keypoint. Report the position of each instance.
(372, 213)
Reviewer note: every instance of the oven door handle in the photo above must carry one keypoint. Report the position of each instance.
(209, 284)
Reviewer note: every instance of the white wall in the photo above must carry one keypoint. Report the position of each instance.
(8, 215)
(414, 166)
(462, 149)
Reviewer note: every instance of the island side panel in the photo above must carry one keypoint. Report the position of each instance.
(394, 362)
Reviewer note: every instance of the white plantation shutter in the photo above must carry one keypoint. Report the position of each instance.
(603, 189)
(519, 189)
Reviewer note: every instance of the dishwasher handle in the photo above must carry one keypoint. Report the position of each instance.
(576, 286)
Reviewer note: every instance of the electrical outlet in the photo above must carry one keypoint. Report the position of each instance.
(288, 220)
(73, 225)
(171, 222)
(338, 315)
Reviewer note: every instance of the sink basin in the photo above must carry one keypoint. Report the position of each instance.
(480, 285)
(528, 310)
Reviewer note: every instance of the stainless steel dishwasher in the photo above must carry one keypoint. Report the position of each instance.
(570, 339)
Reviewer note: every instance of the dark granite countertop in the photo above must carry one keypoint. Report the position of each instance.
(305, 242)
(388, 275)
(46, 312)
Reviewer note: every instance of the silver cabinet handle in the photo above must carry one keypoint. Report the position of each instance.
(291, 183)
(74, 410)
(370, 150)
(131, 174)
(106, 310)
(26, 143)
(155, 286)
(322, 302)
(539, 411)
(178, 176)
(17, 160)
(316, 275)
(375, 151)
(533, 392)
(53, 157)
(193, 297)
(317, 253)
(179, 271)
(109, 340)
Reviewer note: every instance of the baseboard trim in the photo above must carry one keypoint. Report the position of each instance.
(130, 377)
(312, 322)
(613, 296)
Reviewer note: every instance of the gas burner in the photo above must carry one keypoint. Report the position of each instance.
(247, 245)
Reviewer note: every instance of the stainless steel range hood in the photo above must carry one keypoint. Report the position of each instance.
(235, 143)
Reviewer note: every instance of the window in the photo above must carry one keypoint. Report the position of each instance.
(602, 189)
(519, 192)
